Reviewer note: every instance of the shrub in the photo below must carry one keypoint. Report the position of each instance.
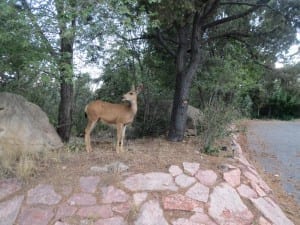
(217, 116)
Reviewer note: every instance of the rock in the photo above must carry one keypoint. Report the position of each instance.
(202, 218)
(180, 202)
(61, 223)
(183, 221)
(9, 210)
(117, 220)
(155, 181)
(35, 216)
(198, 192)
(151, 214)
(206, 177)
(9, 186)
(271, 211)
(112, 195)
(196, 219)
(89, 184)
(43, 194)
(96, 211)
(255, 179)
(24, 126)
(175, 170)
(258, 189)
(184, 181)
(263, 221)
(115, 167)
(138, 198)
(226, 207)
(194, 117)
(233, 177)
(246, 191)
(190, 168)
(82, 199)
(64, 211)
(123, 209)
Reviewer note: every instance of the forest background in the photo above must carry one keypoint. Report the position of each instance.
(216, 55)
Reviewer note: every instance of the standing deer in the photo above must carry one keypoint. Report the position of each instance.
(117, 114)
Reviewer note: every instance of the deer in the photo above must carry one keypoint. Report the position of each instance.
(120, 115)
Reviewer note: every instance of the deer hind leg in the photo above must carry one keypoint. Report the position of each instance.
(87, 136)
(119, 145)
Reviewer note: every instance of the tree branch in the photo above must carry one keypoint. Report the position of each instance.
(234, 17)
(163, 43)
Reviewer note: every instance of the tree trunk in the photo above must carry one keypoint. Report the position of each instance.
(187, 63)
(180, 106)
(66, 90)
(65, 111)
(67, 37)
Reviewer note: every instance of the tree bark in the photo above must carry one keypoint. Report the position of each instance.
(187, 62)
(67, 37)
(65, 111)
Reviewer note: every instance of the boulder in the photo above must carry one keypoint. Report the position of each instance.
(24, 126)
(194, 117)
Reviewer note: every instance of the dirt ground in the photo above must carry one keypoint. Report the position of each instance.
(146, 155)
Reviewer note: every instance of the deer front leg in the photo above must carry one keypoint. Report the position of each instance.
(119, 137)
(87, 135)
(122, 138)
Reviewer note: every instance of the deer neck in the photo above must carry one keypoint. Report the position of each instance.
(133, 106)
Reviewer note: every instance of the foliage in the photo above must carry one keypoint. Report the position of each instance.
(217, 117)
(82, 97)
(136, 41)
(25, 164)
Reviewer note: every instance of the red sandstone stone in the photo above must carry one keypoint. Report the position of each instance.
(206, 177)
(190, 168)
(35, 216)
(82, 199)
(89, 184)
(8, 187)
(180, 202)
(117, 220)
(184, 181)
(102, 211)
(113, 195)
(64, 211)
(226, 206)
(233, 177)
(43, 194)
(175, 170)
(122, 208)
(198, 192)
(246, 191)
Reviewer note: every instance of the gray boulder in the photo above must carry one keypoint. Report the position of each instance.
(24, 126)
(194, 118)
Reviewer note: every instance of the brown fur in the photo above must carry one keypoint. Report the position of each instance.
(117, 114)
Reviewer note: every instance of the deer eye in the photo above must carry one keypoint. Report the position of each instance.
(131, 93)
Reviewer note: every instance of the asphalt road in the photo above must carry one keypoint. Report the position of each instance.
(277, 148)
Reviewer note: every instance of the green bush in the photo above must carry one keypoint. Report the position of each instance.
(217, 116)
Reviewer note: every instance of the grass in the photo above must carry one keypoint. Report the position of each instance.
(23, 165)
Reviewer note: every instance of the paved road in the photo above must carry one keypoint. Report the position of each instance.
(277, 144)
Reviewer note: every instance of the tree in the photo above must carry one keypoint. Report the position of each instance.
(188, 29)
(58, 23)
